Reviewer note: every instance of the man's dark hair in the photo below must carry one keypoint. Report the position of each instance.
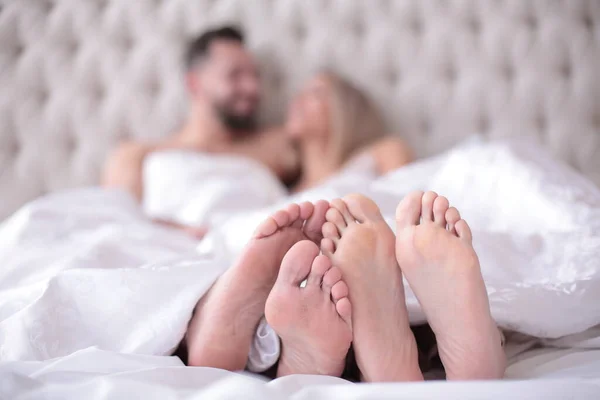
(199, 48)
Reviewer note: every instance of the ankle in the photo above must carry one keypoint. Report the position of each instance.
(205, 356)
(400, 365)
(292, 362)
(485, 361)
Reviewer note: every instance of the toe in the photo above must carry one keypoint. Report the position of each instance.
(336, 218)
(427, 206)
(331, 277)
(266, 228)
(330, 231)
(452, 217)
(339, 205)
(269, 226)
(293, 211)
(282, 218)
(362, 208)
(440, 206)
(339, 290)
(320, 266)
(314, 224)
(297, 262)
(306, 210)
(327, 246)
(344, 309)
(463, 231)
(408, 211)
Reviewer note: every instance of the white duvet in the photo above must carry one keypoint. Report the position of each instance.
(92, 295)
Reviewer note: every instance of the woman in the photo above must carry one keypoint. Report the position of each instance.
(335, 125)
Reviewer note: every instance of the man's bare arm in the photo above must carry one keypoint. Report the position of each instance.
(124, 168)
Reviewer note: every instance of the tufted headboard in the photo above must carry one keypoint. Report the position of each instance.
(78, 76)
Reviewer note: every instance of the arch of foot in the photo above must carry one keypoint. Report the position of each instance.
(78, 77)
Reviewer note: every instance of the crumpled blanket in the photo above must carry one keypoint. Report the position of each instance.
(86, 267)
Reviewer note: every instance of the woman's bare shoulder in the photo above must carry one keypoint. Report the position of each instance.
(389, 153)
(391, 143)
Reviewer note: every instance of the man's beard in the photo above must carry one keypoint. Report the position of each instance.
(239, 124)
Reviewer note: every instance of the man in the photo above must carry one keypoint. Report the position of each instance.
(223, 84)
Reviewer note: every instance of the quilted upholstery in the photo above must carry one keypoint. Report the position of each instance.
(78, 76)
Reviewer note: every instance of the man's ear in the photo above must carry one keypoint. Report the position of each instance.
(192, 83)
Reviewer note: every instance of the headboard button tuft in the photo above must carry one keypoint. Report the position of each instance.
(416, 26)
(508, 73)
(474, 25)
(392, 77)
(13, 147)
(531, 22)
(566, 71)
(299, 32)
(450, 73)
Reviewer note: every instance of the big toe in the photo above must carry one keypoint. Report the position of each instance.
(408, 211)
(297, 262)
(362, 208)
(342, 208)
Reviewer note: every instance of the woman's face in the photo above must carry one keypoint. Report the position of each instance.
(308, 114)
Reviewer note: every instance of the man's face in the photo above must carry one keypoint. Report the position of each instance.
(229, 81)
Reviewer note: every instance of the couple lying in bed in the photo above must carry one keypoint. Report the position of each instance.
(330, 123)
(353, 292)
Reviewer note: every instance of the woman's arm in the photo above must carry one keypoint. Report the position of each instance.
(390, 153)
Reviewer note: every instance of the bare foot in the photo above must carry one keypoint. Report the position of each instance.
(313, 322)
(440, 264)
(221, 331)
(361, 244)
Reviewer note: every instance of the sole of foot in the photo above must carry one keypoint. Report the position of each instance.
(361, 245)
(435, 253)
(314, 321)
(225, 320)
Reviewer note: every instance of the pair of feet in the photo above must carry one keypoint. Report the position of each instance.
(354, 293)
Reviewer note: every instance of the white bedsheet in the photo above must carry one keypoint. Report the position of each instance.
(90, 290)
(97, 374)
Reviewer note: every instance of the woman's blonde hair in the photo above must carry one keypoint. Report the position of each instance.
(355, 121)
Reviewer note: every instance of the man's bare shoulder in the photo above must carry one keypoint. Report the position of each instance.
(126, 157)
(131, 150)
(135, 151)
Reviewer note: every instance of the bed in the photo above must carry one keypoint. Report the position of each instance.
(76, 79)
